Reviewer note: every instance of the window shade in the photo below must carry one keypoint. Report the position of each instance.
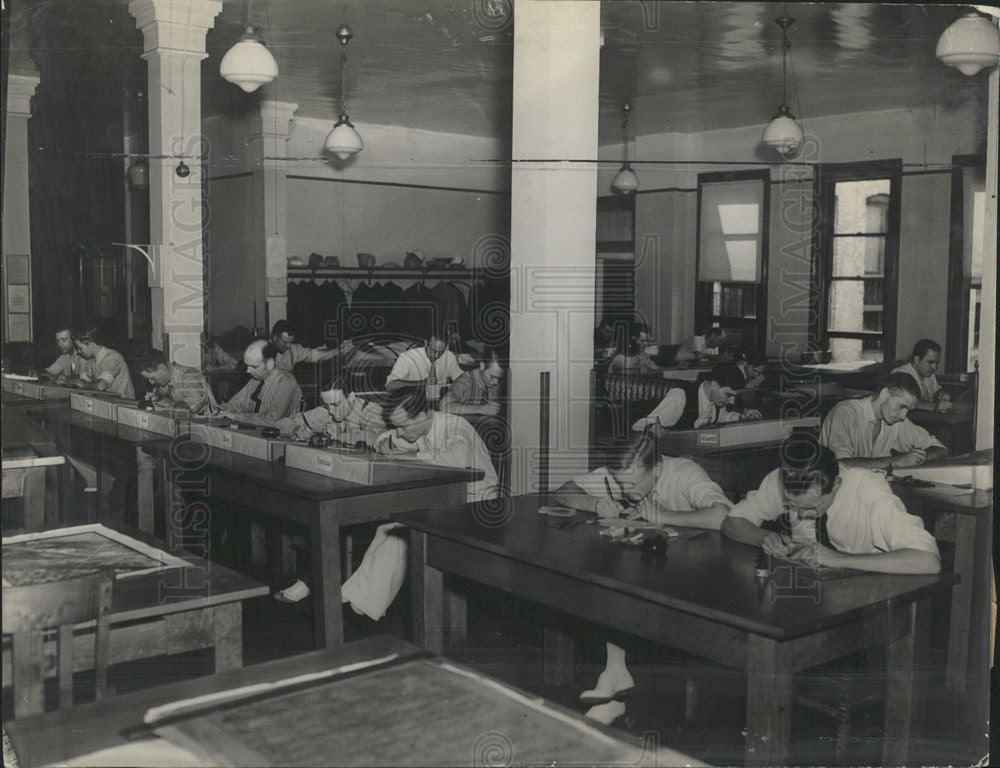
(729, 242)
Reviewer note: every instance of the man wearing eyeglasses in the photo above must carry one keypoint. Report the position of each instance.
(821, 513)
(271, 393)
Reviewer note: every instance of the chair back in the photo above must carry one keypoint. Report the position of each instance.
(31, 610)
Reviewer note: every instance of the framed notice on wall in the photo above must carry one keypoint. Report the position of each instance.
(17, 297)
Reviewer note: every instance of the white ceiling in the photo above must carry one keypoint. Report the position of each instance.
(686, 66)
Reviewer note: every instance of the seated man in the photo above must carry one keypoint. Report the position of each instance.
(214, 357)
(430, 365)
(831, 515)
(640, 483)
(70, 364)
(291, 354)
(423, 435)
(701, 345)
(476, 391)
(717, 393)
(106, 370)
(176, 386)
(271, 393)
(636, 357)
(873, 432)
(343, 416)
(665, 415)
(922, 367)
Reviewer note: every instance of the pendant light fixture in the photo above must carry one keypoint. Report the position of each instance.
(625, 181)
(248, 63)
(970, 44)
(137, 172)
(343, 140)
(783, 134)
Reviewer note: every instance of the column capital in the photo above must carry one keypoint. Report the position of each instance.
(175, 25)
(20, 89)
(274, 118)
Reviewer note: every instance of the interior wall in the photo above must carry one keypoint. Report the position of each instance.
(925, 222)
(234, 280)
(923, 139)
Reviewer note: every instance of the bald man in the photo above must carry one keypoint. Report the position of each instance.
(271, 393)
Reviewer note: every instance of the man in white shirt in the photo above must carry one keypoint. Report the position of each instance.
(831, 515)
(922, 367)
(69, 365)
(717, 393)
(430, 365)
(106, 370)
(640, 483)
(700, 345)
(873, 432)
(423, 435)
(289, 354)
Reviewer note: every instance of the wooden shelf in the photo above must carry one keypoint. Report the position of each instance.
(359, 273)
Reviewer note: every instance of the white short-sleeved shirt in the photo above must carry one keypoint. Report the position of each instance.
(849, 428)
(682, 486)
(928, 384)
(453, 442)
(110, 367)
(709, 413)
(865, 517)
(414, 365)
(667, 412)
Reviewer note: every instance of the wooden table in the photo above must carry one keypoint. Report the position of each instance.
(398, 708)
(955, 428)
(116, 452)
(323, 505)
(164, 602)
(701, 598)
(30, 458)
(970, 517)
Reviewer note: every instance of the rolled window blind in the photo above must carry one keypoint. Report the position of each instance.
(731, 231)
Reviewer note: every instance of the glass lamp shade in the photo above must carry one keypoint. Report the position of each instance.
(783, 134)
(138, 174)
(969, 44)
(249, 64)
(625, 181)
(343, 140)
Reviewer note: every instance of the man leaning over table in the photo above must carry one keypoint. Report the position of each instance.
(175, 386)
(873, 432)
(923, 365)
(70, 364)
(640, 483)
(271, 393)
(829, 514)
(106, 370)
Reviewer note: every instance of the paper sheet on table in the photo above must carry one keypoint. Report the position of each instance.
(144, 753)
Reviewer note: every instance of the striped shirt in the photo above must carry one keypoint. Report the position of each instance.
(264, 401)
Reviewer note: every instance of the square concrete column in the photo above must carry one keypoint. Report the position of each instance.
(174, 45)
(553, 221)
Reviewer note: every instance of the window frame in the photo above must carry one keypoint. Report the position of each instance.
(703, 289)
(956, 341)
(825, 179)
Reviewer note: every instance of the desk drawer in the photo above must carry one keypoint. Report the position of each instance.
(152, 421)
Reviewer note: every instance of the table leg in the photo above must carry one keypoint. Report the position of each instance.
(455, 615)
(907, 658)
(328, 619)
(426, 597)
(228, 623)
(33, 498)
(961, 602)
(769, 702)
(145, 466)
(558, 647)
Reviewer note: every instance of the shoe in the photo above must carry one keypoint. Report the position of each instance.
(608, 688)
(293, 594)
(606, 714)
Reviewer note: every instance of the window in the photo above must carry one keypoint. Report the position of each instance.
(858, 245)
(732, 255)
(965, 270)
